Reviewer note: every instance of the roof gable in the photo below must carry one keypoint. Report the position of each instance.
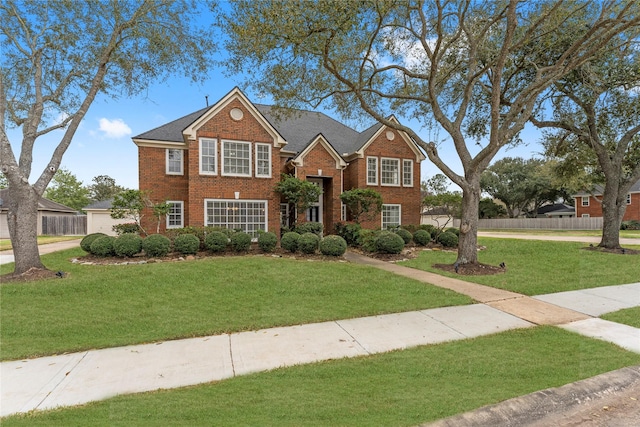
(368, 136)
(322, 141)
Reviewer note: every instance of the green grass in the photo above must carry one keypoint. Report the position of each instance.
(537, 267)
(5, 244)
(107, 306)
(628, 316)
(403, 388)
(540, 232)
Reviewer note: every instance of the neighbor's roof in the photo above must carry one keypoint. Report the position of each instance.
(599, 189)
(101, 204)
(297, 127)
(43, 204)
(556, 208)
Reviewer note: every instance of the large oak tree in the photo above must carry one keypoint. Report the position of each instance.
(57, 56)
(470, 67)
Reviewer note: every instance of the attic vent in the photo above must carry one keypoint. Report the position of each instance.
(390, 135)
(236, 114)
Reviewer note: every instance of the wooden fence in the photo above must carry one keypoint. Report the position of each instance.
(64, 225)
(594, 223)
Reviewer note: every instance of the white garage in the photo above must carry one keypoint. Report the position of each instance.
(99, 218)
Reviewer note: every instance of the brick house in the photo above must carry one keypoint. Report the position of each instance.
(218, 166)
(589, 204)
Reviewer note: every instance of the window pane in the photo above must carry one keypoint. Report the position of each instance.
(372, 170)
(208, 155)
(250, 217)
(174, 161)
(390, 216)
(263, 160)
(389, 170)
(237, 158)
(407, 173)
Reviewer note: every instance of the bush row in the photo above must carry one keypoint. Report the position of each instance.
(421, 235)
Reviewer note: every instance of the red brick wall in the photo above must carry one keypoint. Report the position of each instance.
(595, 208)
(408, 197)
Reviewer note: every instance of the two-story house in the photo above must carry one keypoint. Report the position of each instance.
(218, 166)
(590, 204)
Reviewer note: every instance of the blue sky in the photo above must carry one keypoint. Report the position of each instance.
(103, 145)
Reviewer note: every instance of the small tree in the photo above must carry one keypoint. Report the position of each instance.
(67, 190)
(160, 211)
(298, 194)
(130, 204)
(362, 201)
(104, 188)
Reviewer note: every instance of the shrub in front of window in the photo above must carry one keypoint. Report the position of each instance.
(127, 245)
(199, 232)
(186, 244)
(267, 241)
(156, 245)
(308, 243)
(349, 232)
(454, 231)
(422, 237)
(448, 239)
(405, 234)
(289, 241)
(127, 228)
(368, 240)
(216, 241)
(389, 242)
(333, 246)
(87, 240)
(240, 241)
(310, 227)
(103, 246)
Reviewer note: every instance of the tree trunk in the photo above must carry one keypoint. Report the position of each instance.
(468, 243)
(22, 219)
(613, 208)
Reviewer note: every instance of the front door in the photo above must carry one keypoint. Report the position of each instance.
(314, 213)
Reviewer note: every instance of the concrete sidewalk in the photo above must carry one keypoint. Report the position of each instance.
(77, 378)
(558, 238)
(6, 257)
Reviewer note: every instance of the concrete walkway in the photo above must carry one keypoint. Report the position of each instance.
(7, 257)
(71, 379)
(556, 238)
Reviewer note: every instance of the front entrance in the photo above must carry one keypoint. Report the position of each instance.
(314, 213)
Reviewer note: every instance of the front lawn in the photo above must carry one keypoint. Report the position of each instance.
(402, 388)
(107, 306)
(628, 316)
(535, 267)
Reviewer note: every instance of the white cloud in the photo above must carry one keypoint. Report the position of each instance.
(115, 128)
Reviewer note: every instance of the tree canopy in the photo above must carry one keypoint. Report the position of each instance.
(473, 69)
(57, 56)
(65, 188)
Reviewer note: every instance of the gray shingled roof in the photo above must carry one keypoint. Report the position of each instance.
(298, 128)
(101, 204)
(599, 189)
(43, 204)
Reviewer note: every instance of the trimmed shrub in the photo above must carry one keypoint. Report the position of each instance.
(199, 232)
(349, 232)
(267, 241)
(448, 239)
(308, 243)
(422, 237)
(432, 229)
(405, 234)
(87, 240)
(103, 246)
(333, 246)
(216, 241)
(156, 245)
(310, 227)
(630, 225)
(368, 240)
(289, 241)
(187, 244)
(389, 242)
(454, 231)
(240, 241)
(127, 245)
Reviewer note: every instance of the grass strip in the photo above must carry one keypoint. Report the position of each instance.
(108, 306)
(402, 388)
(536, 267)
(628, 316)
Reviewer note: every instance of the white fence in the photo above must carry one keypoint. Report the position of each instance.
(539, 223)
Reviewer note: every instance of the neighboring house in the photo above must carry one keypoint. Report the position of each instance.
(439, 217)
(46, 209)
(99, 218)
(556, 210)
(219, 165)
(589, 204)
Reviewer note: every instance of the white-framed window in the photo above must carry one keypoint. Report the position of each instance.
(390, 216)
(586, 216)
(263, 160)
(389, 171)
(407, 173)
(629, 198)
(236, 158)
(174, 161)
(248, 215)
(208, 156)
(175, 216)
(372, 171)
(585, 200)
